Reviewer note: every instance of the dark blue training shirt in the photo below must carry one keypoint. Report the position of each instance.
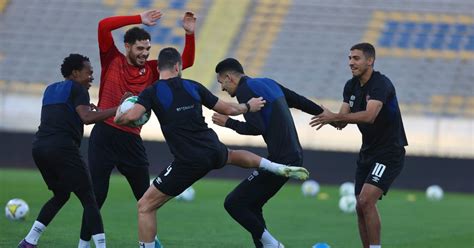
(274, 121)
(178, 104)
(387, 131)
(60, 124)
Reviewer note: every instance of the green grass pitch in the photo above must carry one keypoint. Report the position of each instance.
(295, 220)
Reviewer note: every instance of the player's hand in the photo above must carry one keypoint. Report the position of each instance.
(150, 17)
(93, 107)
(322, 119)
(256, 103)
(125, 96)
(189, 22)
(219, 119)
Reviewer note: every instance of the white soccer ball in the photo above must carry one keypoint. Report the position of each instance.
(346, 188)
(347, 204)
(127, 104)
(16, 209)
(434, 193)
(187, 195)
(310, 188)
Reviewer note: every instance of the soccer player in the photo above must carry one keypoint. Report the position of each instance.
(196, 148)
(275, 123)
(111, 145)
(370, 102)
(66, 108)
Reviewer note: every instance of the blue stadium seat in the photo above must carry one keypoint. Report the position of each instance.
(409, 26)
(470, 44)
(455, 42)
(145, 4)
(426, 27)
(177, 40)
(421, 41)
(437, 42)
(443, 28)
(404, 40)
(391, 26)
(386, 39)
(461, 28)
(178, 4)
(159, 34)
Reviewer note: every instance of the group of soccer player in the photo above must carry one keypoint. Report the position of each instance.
(369, 101)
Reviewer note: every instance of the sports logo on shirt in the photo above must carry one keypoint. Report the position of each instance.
(377, 172)
(351, 101)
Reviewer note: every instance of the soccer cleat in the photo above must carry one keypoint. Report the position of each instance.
(296, 172)
(24, 244)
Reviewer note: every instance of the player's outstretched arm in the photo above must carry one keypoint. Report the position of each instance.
(107, 25)
(91, 114)
(227, 108)
(189, 25)
(366, 116)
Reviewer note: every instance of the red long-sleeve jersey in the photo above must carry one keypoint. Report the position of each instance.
(118, 76)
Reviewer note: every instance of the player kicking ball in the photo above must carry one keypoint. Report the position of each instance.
(196, 148)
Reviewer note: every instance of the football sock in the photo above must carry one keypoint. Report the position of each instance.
(99, 240)
(147, 245)
(375, 246)
(84, 244)
(270, 166)
(268, 240)
(36, 230)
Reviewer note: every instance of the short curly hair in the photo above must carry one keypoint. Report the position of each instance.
(73, 62)
(134, 34)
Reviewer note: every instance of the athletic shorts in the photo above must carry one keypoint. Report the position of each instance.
(112, 146)
(179, 175)
(62, 168)
(379, 170)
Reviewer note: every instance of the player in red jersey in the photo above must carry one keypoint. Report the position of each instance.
(111, 145)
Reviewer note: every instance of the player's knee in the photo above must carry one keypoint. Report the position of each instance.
(144, 206)
(230, 204)
(61, 197)
(364, 203)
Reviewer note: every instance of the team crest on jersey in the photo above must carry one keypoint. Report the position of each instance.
(367, 97)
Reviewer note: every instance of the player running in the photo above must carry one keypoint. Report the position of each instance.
(196, 148)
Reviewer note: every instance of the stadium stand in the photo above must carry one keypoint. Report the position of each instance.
(426, 47)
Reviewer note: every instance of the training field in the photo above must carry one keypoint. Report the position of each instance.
(409, 220)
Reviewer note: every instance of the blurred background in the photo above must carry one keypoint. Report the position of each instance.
(425, 47)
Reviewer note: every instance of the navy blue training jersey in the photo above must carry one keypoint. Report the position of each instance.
(60, 124)
(387, 130)
(178, 104)
(274, 121)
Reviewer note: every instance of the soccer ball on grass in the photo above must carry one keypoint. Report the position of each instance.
(434, 193)
(347, 204)
(310, 188)
(346, 188)
(16, 209)
(187, 195)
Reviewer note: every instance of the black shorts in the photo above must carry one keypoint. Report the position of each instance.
(379, 170)
(179, 175)
(109, 146)
(62, 168)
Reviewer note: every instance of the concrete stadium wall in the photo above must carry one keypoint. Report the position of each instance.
(326, 167)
